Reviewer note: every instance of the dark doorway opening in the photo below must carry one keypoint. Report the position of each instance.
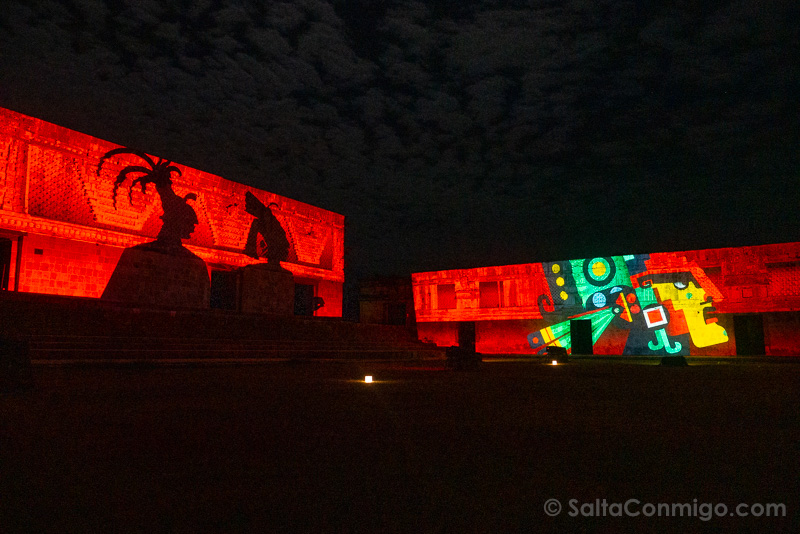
(466, 335)
(397, 313)
(224, 290)
(5, 263)
(581, 330)
(749, 331)
(303, 299)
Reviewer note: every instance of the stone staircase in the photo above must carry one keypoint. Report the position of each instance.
(65, 349)
(62, 329)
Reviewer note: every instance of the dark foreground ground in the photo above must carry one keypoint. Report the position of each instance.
(309, 447)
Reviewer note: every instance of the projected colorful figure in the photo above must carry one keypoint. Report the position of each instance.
(662, 300)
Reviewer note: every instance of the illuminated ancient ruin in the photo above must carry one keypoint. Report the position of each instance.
(705, 302)
(83, 217)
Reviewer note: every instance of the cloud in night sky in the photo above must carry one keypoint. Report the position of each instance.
(450, 134)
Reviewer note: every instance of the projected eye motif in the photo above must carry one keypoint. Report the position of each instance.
(599, 271)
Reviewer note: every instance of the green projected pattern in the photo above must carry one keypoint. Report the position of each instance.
(660, 303)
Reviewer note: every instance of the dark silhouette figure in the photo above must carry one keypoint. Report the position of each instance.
(179, 218)
(161, 271)
(270, 229)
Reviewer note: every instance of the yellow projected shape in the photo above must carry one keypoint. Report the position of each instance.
(598, 269)
(692, 301)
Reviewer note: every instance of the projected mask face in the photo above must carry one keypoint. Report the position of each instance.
(689, 299)
(663, 301)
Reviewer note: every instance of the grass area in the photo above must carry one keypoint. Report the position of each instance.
(309, 447)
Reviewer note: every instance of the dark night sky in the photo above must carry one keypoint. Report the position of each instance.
(450, 133)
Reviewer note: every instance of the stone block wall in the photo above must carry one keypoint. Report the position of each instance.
(58, 198)
(267, 290)
(66, 267)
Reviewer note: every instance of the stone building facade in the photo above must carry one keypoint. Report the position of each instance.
(726, 301)
(71, 208)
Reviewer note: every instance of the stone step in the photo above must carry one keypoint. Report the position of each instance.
(115, 348)
(121, 354)
(178, 344)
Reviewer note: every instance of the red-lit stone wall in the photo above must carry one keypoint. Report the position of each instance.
(331, 294)
(64, 267)
(52, 193)
(661, 303)
(782, 331)
(444, 334)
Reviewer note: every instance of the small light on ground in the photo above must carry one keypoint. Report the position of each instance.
(368, 379)
(555, 362)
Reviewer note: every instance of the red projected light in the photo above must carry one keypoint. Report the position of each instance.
(655, 317)
(82, 201)
(645, 304)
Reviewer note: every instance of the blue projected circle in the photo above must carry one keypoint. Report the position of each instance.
(599, 300)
